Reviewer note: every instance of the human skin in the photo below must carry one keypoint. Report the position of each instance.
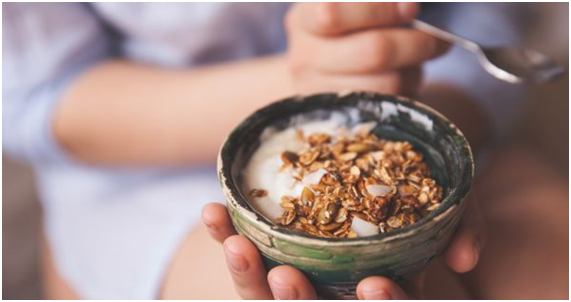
(159, 116)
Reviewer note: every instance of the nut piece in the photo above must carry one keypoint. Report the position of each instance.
(355, 171)
(288, 217)
(258, 193)
(327, 213)
(358, 147)
(318, 139)
(341, 215)
(289, 158)
(307, 195)
(394, 222)
(349, 156)
(308, 156)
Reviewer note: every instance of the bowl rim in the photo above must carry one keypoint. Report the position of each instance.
(233, 193)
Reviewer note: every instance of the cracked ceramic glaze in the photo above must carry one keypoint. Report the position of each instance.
(335, 265)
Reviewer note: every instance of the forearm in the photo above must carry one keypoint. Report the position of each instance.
(126, 113)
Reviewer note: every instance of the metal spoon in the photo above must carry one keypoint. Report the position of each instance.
(511, 64)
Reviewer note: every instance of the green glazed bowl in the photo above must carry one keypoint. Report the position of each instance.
(334, 265)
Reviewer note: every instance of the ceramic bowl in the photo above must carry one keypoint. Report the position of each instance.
(335, 265)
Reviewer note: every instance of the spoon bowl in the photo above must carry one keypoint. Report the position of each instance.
(511, 64)
(517, 65)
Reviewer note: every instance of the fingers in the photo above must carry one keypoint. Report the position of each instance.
(336, 42)
(463, 253)
(340, 18)
(287, 283)
(369, 51)
(246, 268)
(379, 288)
(404, 82)
(215, 217)
(245, 263)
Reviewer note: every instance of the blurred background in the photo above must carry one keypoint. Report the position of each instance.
(543, 128)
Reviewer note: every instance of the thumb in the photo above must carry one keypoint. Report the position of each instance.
(379, 288)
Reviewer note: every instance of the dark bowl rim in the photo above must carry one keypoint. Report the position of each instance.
(454, 196)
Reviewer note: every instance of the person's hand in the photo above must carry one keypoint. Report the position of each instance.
(252, 281)
(357, 46)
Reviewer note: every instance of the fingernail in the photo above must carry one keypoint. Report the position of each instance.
(236, 262)
(407, 10)
(209, 225)
(283, 292)
(376, 295)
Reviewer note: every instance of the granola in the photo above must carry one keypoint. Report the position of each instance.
(355, 185)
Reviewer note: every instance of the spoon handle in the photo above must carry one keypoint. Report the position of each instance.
(446, 36)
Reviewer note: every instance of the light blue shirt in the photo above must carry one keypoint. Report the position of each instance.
(113, 231)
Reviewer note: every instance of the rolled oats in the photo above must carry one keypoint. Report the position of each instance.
(386, 183)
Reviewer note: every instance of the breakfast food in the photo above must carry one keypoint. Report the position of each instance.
(331, 180)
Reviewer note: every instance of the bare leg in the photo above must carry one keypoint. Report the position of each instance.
(197, 271)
